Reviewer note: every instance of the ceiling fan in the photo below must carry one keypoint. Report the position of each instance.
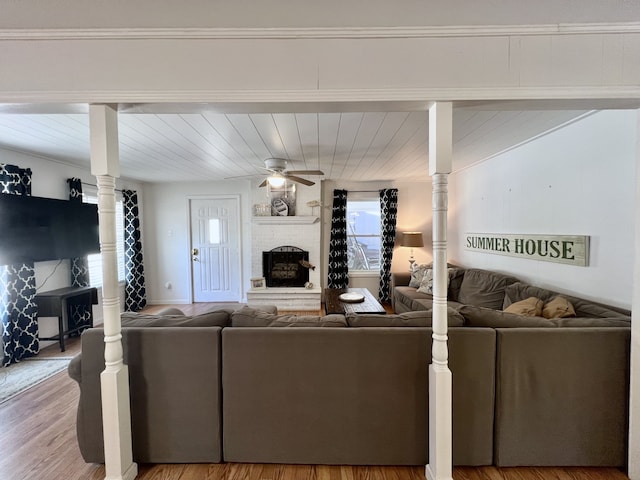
(279, 173)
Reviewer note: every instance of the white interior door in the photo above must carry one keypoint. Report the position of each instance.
(215, 249)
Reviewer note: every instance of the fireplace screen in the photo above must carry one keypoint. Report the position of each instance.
(285, 267)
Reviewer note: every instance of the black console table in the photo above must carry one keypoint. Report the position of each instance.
(56, 303)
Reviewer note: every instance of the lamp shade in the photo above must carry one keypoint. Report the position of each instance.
(412, 239)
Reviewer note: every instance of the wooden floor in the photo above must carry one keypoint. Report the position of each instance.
(38, 442)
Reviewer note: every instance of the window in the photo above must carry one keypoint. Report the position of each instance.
(363, 234)
(95, 260)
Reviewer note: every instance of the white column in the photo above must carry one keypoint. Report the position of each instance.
(114, 380)
(440, 465)
(634, 388)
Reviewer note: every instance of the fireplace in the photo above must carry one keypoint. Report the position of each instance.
(286, 266)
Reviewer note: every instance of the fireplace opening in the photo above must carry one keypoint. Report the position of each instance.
(285, 267)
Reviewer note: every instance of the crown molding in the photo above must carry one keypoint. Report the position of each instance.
(413, 96)
(214, 33)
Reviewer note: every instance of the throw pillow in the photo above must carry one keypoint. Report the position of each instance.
(530, 307)
(558, 307)
(417, 272)
(426, 284)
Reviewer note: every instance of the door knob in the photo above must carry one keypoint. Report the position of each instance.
(195, 252)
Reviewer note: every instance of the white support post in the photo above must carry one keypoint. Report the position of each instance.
(440, 465)
(114, 380)
(634, 387)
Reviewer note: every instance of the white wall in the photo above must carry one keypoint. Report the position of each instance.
(49, 179)
(166, 231)
(166, 239)
(577, 180)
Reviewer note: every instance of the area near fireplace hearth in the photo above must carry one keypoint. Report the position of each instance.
(284, 242)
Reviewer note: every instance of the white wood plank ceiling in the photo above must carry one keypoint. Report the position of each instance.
(366, 146)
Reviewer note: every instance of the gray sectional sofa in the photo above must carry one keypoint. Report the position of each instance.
(236, 386)
(562, 384)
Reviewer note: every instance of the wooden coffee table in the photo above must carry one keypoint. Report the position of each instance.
(332, 303)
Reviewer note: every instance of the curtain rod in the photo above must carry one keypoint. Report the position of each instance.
(94, 185)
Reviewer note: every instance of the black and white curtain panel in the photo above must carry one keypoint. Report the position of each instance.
(18, 310)
(79, 315)
(135, 297)
(338, 276)
(388, 217)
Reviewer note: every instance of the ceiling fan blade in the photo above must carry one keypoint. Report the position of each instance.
(303, 181)
(305, 172)
(263, 184)
(243, 176)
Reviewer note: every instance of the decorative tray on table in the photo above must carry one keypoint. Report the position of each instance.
(351, 297)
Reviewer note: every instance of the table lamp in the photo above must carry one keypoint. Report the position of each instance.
(412, 240)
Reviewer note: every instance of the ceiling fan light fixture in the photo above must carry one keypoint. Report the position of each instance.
(276, 180)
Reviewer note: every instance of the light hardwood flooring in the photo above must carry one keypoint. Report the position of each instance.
(38, 442)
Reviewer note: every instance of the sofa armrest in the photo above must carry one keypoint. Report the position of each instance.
(400, 279)
(75, 368)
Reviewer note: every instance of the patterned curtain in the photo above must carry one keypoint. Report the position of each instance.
(18, 310)
(79, 315)
(338, 263)
(388, 216)
(135, 296)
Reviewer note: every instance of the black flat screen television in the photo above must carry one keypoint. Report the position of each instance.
(36, 229)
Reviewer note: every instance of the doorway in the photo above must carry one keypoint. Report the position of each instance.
(215, 249)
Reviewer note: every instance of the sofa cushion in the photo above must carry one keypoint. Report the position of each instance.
(483, 288)
(251, 317)
(591, 322)
(170, 311)
(421, 318)
(530, 307)
(558, 307)
(488, 317)
(404, 296)
(218, 318)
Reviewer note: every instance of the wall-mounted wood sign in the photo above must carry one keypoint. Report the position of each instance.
(569, 249)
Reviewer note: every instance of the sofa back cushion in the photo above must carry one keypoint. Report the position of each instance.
(483, 288)
(420, 318)
(251, 317)
(218, 318)
(489, 317)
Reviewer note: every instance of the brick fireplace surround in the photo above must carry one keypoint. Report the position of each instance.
(272, 232)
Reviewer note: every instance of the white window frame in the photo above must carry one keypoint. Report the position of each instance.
(363, 197)
(94, 261)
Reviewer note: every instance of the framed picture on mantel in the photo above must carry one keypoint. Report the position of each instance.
(283, 200)
(258, 283)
